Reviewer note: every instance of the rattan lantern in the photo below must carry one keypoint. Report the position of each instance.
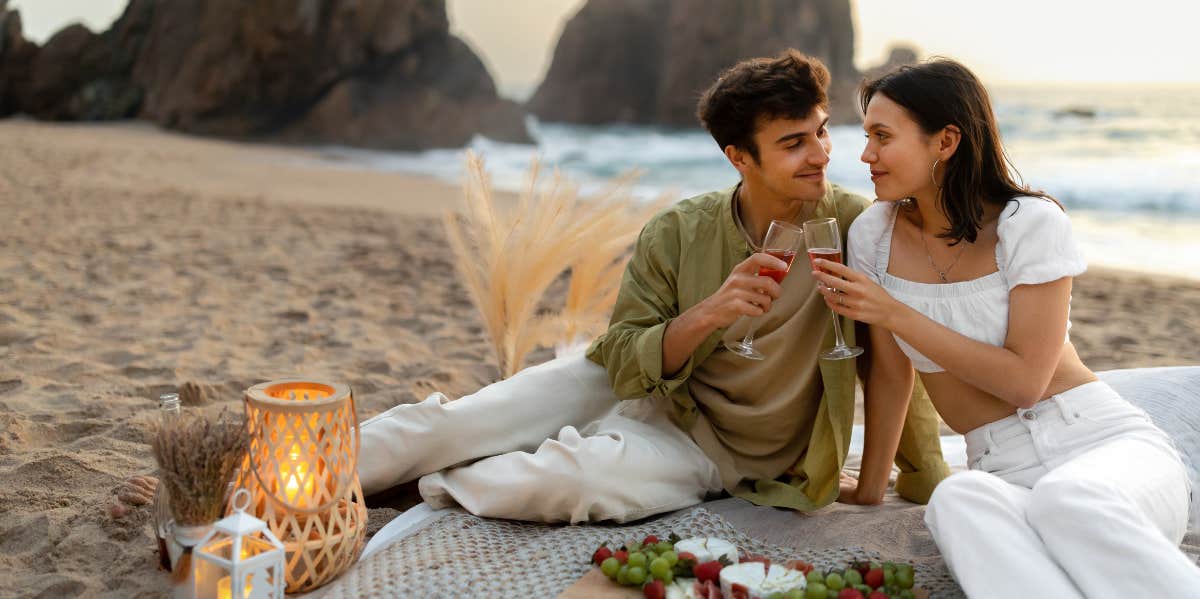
(301, 470)
(239, 559)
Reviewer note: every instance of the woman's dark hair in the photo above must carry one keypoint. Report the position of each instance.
(790, 85)
(943, 92)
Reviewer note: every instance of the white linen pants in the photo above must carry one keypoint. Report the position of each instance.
(556, 446)
(1079, 496)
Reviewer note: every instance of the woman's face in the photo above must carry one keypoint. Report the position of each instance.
(899, 153)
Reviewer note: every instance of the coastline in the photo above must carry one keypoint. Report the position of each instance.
(137, 261)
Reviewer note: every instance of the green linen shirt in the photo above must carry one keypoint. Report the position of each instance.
(683, 255)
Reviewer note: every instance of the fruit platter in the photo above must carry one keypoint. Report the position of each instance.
(712, 568)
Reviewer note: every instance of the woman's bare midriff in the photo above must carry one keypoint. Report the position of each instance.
(964, 407)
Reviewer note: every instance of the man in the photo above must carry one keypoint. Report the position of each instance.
(557, 440)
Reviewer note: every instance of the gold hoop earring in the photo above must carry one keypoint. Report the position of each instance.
(933, 173)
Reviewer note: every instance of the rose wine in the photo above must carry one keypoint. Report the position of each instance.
(830, 254)
(778, 275)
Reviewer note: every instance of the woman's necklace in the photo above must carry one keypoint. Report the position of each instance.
(940, 272)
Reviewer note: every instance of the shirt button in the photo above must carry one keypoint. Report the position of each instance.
(1030, 416)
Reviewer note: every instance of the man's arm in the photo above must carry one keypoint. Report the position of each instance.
(648, 346)
(743, 293)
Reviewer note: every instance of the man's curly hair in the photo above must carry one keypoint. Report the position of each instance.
(790, 86)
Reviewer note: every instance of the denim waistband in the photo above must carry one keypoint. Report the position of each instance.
(1061, 407)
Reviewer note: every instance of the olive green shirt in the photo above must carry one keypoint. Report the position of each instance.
(683, 256)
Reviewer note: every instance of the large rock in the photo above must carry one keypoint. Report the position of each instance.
(381, 73)
(898, 56)
(16, 61)
(647, 61)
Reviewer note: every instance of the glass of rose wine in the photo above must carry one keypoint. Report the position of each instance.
(782, 241)
(824, 240)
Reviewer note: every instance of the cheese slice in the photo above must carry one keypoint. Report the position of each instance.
(707, 549)
(761, 580)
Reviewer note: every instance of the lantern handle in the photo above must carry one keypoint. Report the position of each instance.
(240, 496)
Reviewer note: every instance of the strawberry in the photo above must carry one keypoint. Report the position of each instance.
(739, 591)
(686, 555)
(877, 595)
(601, 554)
(849, 593)
(708, 571)
(800, 565)
(655, 589)
(650, 540)
(623, 556)
(874, 578)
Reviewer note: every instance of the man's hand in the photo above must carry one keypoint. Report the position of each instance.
(744, 292)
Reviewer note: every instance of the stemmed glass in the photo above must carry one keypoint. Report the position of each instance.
(782, 241)
(824, 241)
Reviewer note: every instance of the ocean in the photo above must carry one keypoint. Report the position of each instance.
(1124, 160)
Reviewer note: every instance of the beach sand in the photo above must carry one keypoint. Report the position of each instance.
(135, 262)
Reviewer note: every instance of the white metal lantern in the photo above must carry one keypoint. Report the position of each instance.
(240, 559)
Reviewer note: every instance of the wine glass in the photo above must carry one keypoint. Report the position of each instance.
(824, 241)
(782, 241)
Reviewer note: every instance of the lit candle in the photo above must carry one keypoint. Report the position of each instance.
(293, 474)
(225, 589)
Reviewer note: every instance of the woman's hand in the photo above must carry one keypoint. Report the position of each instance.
(848, 492)
(850, 293)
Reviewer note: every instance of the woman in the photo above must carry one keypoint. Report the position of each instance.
(966, 276)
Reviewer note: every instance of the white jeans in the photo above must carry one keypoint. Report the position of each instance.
(1079, 496)
(556, 446)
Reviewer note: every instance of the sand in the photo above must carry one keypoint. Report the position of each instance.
(135, 262)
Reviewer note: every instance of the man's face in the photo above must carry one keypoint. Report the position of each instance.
(792, 156)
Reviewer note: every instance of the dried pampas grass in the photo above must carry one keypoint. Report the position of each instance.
(507, 260)
(197, 457)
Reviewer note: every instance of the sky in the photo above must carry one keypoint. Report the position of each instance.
(1011, 42)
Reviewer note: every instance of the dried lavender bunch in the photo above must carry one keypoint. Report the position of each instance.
(197, 457)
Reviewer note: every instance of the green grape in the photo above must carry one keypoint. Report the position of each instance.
(663, 547)
(777, 596)
(637, 559)
(610, 567)
(659, 568)
(815, 577)
(907, 594)
(668, 578)
(636, 575)
(889, 577)
(623, 575)
(815, 590)
(835, 582)
(831, 594)
(671, 557)
(864, 589)
(904, 578)
(795, 594)
(634, 546)
(853, 578)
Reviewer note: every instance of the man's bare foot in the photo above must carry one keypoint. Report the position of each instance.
(135, 492)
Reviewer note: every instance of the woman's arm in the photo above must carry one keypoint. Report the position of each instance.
(889, 386)
(1018, 372)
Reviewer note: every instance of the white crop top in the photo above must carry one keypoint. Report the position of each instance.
(1035, 246)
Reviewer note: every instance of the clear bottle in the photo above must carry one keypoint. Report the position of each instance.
(169, 408)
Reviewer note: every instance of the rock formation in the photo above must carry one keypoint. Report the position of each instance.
(647, 61)
(376, 73)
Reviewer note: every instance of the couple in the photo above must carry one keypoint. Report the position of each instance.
(956, 271)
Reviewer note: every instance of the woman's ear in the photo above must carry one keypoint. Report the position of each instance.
(948, 141)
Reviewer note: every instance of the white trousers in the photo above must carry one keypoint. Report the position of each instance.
(553, 444)
(1079, 496)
